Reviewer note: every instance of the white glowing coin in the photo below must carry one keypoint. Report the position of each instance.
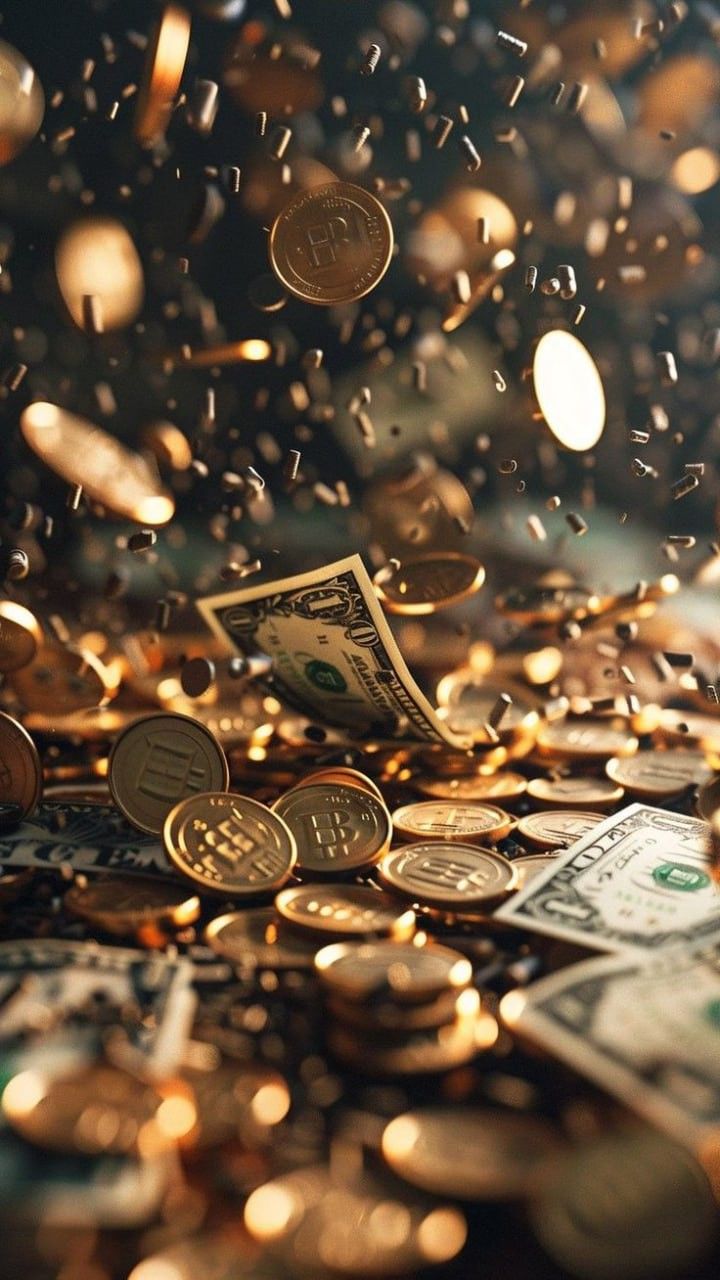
(569, 390)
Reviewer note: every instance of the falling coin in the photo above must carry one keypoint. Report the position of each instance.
(350, 911)
(448, 821)
(257, 938)
(410, 974)
(337, 828)
(569, 390)
(229, 844)
(556, 829)
(61, 680)
(20, 771)
(454, 876)
(164, 65)
(160, 760)
(575, 792)
(22, 103)
(331, 244)
(428, 583)
(660, 774)
(20, 636)
(125, 904)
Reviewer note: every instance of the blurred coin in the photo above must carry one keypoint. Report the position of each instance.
(348, 911)
(455, 876)
(568, 390)
(659, 775)
(385, 1016)
(124, 904)
(690, 728)
(584, 740)
(420, 1052)
(234, 1101)
(22, 103)
(556, 829)
(530, 865)
(635, 1205)
(96, 257)
(429, 582)
(448, 821)
(342, 774)
(331, 244)
(160, 760)
(20, 770)
(575, 792)
(540, 605)
(61, 680)
(408, 974)
(164, 65)
(499, 786)
(337, 828)
(256, 938)
(229, 844)
(20, 635)
(471, 1154)
(210, 1255)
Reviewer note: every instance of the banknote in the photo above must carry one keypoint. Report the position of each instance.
(639, 881)
(90, 837)
(646, 1031)
(334, 656)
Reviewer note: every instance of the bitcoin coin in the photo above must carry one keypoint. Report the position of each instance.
(350, 911)
(20, 770)
(337, 828)
(584, 740)
(499, 786)
(575, 792)
(433, 581)
(258, 938)
(124, 904)
(448, 821)
(471, 1153)
(556, 829)
(331, 244)
(164, 64)
(159, 761)
(20, 636)
(455, 876)
(419, 1052)
(408, 974)
(229, 844)
(658, 775)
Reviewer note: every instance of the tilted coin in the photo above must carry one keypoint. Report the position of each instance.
(20, 636)
(164, 64)
(454, 876)
(337, 828)
(410, 974)
(20, 769)
(660, 774)
(385, 1016)
(419, 1052)
(584, 740)
(448, 821)
(124, 904)
(348, 911)
(530, 865)
(556, 829)
(229, 844)
(22, 102)
(331, 244)
(568, 390)
(62, 679)
(258, 938)
(505, 786)
(471, 1153)
(428, 582)
(160, 760)
(341, 774)
(690, 728)
(575, 792)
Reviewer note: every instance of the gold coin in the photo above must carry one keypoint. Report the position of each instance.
(331, 244)
(420, 1052)
(229, 844)
(20, 769)
(233, 1100)
(125, 904)
(20, 635)
(62, 680)
(584, 740)
(448, 821)
(348, 911)
(258, 938)
(575, 792)
(22, 103)
(343, 775)
(474, 786)
(159, 761)
(471, 1153)
(530, 865)
(556, 829)
(568, 390)
(660, 774)
(690, 729)
(337, 828)
(429, 582)
(164, 64)
(401, 971)
(386, 1017)
(453, 876)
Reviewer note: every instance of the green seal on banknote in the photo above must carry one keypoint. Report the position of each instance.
(325, 676)
(676, 875)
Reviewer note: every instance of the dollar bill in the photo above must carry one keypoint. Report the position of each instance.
(639, 881)
(334, 656)
(647, 1032)
(90, 837)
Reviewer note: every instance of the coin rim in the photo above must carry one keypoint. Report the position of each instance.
(170, 839)
(162, 715)
(455, 906)
(425, 607)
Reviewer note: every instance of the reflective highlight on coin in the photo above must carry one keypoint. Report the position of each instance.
(358, 971)
(555, 829)
(20, 769)
(160, 760)
(457, 876)
(446, 820)
(348, 911)
(660, 774)
(337, 828)
(429, 582)
(229, 844)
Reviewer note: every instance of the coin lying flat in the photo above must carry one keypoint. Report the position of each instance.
(454, 876)
(556, 829)
(420, 1052)
(20, 770)
(229, 844)
(429, 582)
(331, 244)
(20, 636)
(575, 792)
(341, 774)
(160, 760)
(359, 971)
(124, 904)
(384, 1016)
(471, 1153)
(505, 786)
(660, 774)
(337, 828)
(584, 740)
(257, 938)
(349, 911)
(448, 821)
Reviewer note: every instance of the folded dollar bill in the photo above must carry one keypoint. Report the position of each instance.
(638, 882)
